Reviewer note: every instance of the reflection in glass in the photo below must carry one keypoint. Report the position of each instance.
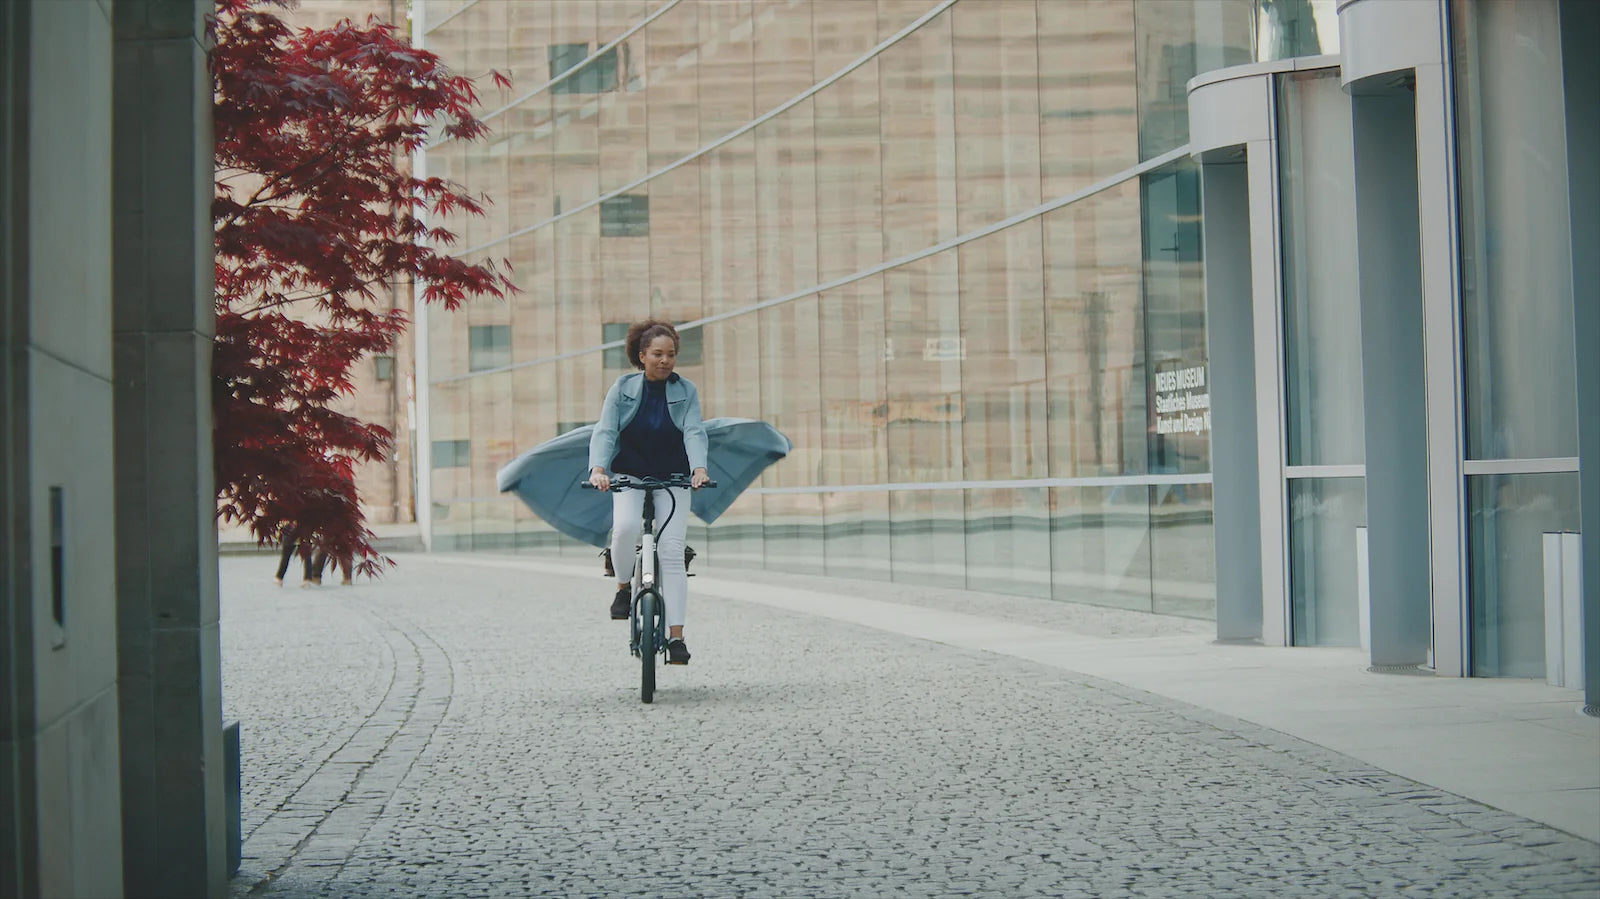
(916, 120)
(996, 80)
(1178, 389)
(1323, 516)
(1177, 40)
(1018, 355)
(1183, 571)
(1509, 515)
(928, 536)
(1516, 271)
(924, 350)
(1003, 376)
(1094, 336)
(855, 449)
(792, 532)
(1289, 28)
(1321, 305)
(1100, 545)
(734, 540)
(857, 535)
(1088, 124)
(1008, 541)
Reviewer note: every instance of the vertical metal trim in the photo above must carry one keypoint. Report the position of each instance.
(19, 810)
(1266, 292)
(422, 389)
(1442, 364)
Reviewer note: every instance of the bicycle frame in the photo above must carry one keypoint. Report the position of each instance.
(648, 638)
(645, 579)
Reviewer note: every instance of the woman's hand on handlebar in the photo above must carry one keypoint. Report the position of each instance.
(599, 480)
(699, 479)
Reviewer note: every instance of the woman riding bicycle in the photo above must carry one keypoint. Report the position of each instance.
(650, 426)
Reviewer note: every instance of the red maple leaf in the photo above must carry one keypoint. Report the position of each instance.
(315, 210)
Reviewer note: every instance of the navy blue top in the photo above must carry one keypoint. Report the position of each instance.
(651, 446)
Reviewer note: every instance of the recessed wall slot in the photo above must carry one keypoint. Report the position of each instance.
(58, 592)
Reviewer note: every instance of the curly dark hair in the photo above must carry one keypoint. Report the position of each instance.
(642, 333)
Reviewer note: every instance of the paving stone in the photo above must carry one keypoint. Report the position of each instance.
(458, 730)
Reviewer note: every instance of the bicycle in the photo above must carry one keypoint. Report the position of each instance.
(647, 623)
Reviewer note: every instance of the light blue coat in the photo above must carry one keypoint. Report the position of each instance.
(622, 404)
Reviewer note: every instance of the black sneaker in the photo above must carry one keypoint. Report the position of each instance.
(619, 605)
(677, 653)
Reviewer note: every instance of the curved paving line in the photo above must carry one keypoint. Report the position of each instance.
(328, 815)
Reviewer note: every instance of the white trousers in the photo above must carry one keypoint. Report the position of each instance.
(627, 510)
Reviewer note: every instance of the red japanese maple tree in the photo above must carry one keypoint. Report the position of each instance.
(315, 210)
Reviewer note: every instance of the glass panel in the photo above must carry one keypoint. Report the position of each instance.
(576, 138)
(848, 149)
(533, 421)
(1509, 516)
(917, 117)
(1289, 28)
(1100, 545)
(1183, 570)
(732, 355)
(1003, 376)
(1516, 265)
(450, 428)
(996, 103)
(1088, 124)
(1323, 516)
(792, 531)
(493, 526)
(734, 540)
(723, 67)
(1094, 336)
(620, 75)
(1321, 301)
(1179, 397)
(672, 90)
(1177, 40)
(855, 446)
(1008, 541)
(893, 15)
(488, 346)
(857, 535)
(530, 196)
(527, 53)
(578, 319)
(928, 537)
(924, 348)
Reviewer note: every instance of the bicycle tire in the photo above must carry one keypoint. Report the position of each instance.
(647, 645)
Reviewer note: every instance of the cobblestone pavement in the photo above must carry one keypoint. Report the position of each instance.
(459, 731)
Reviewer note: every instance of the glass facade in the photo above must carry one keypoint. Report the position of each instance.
(1323, 415)
(1019, 409)
(1517, 315)
(953, 250)
(1516, 242)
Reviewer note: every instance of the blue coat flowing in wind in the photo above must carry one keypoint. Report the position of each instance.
(549, 477)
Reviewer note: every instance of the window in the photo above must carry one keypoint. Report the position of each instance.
(383, 367)
(616, 358)
(599, 75)
(625, 216)
(452, 453)
(488, 346)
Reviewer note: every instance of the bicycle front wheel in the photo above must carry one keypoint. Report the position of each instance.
(649, 608)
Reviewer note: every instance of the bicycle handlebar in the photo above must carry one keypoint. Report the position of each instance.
(629, 482)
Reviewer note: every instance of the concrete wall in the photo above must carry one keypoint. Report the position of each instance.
(61, 737)
(110, 688)
(169, 645)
